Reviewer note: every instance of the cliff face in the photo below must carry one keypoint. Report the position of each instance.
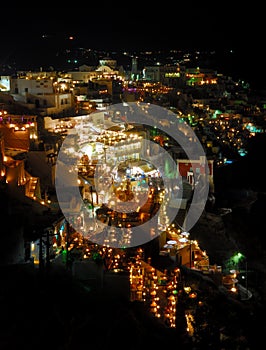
(214, 237)
(242, 230)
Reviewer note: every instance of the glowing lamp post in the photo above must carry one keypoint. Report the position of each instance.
(236, 259)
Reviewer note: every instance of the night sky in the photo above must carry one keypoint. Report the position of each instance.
(135, 24)
(30, 31)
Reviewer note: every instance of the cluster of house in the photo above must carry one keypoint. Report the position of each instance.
(60, 98)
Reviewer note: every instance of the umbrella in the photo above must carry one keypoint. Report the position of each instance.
(185, 234)
(172, 242)
(183, 240)
(168, 246)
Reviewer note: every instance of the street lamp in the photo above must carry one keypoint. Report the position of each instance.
(236, 259)
(242, 257)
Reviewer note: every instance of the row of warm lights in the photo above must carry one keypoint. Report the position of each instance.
(121, 139)
(23, 127)
(148, 290)
(169, 311)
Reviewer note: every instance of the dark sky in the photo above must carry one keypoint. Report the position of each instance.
(134, 25)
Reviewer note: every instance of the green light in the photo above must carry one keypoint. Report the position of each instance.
(237, 257)
(64, 256)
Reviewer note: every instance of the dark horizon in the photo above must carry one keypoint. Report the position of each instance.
(242, 63)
